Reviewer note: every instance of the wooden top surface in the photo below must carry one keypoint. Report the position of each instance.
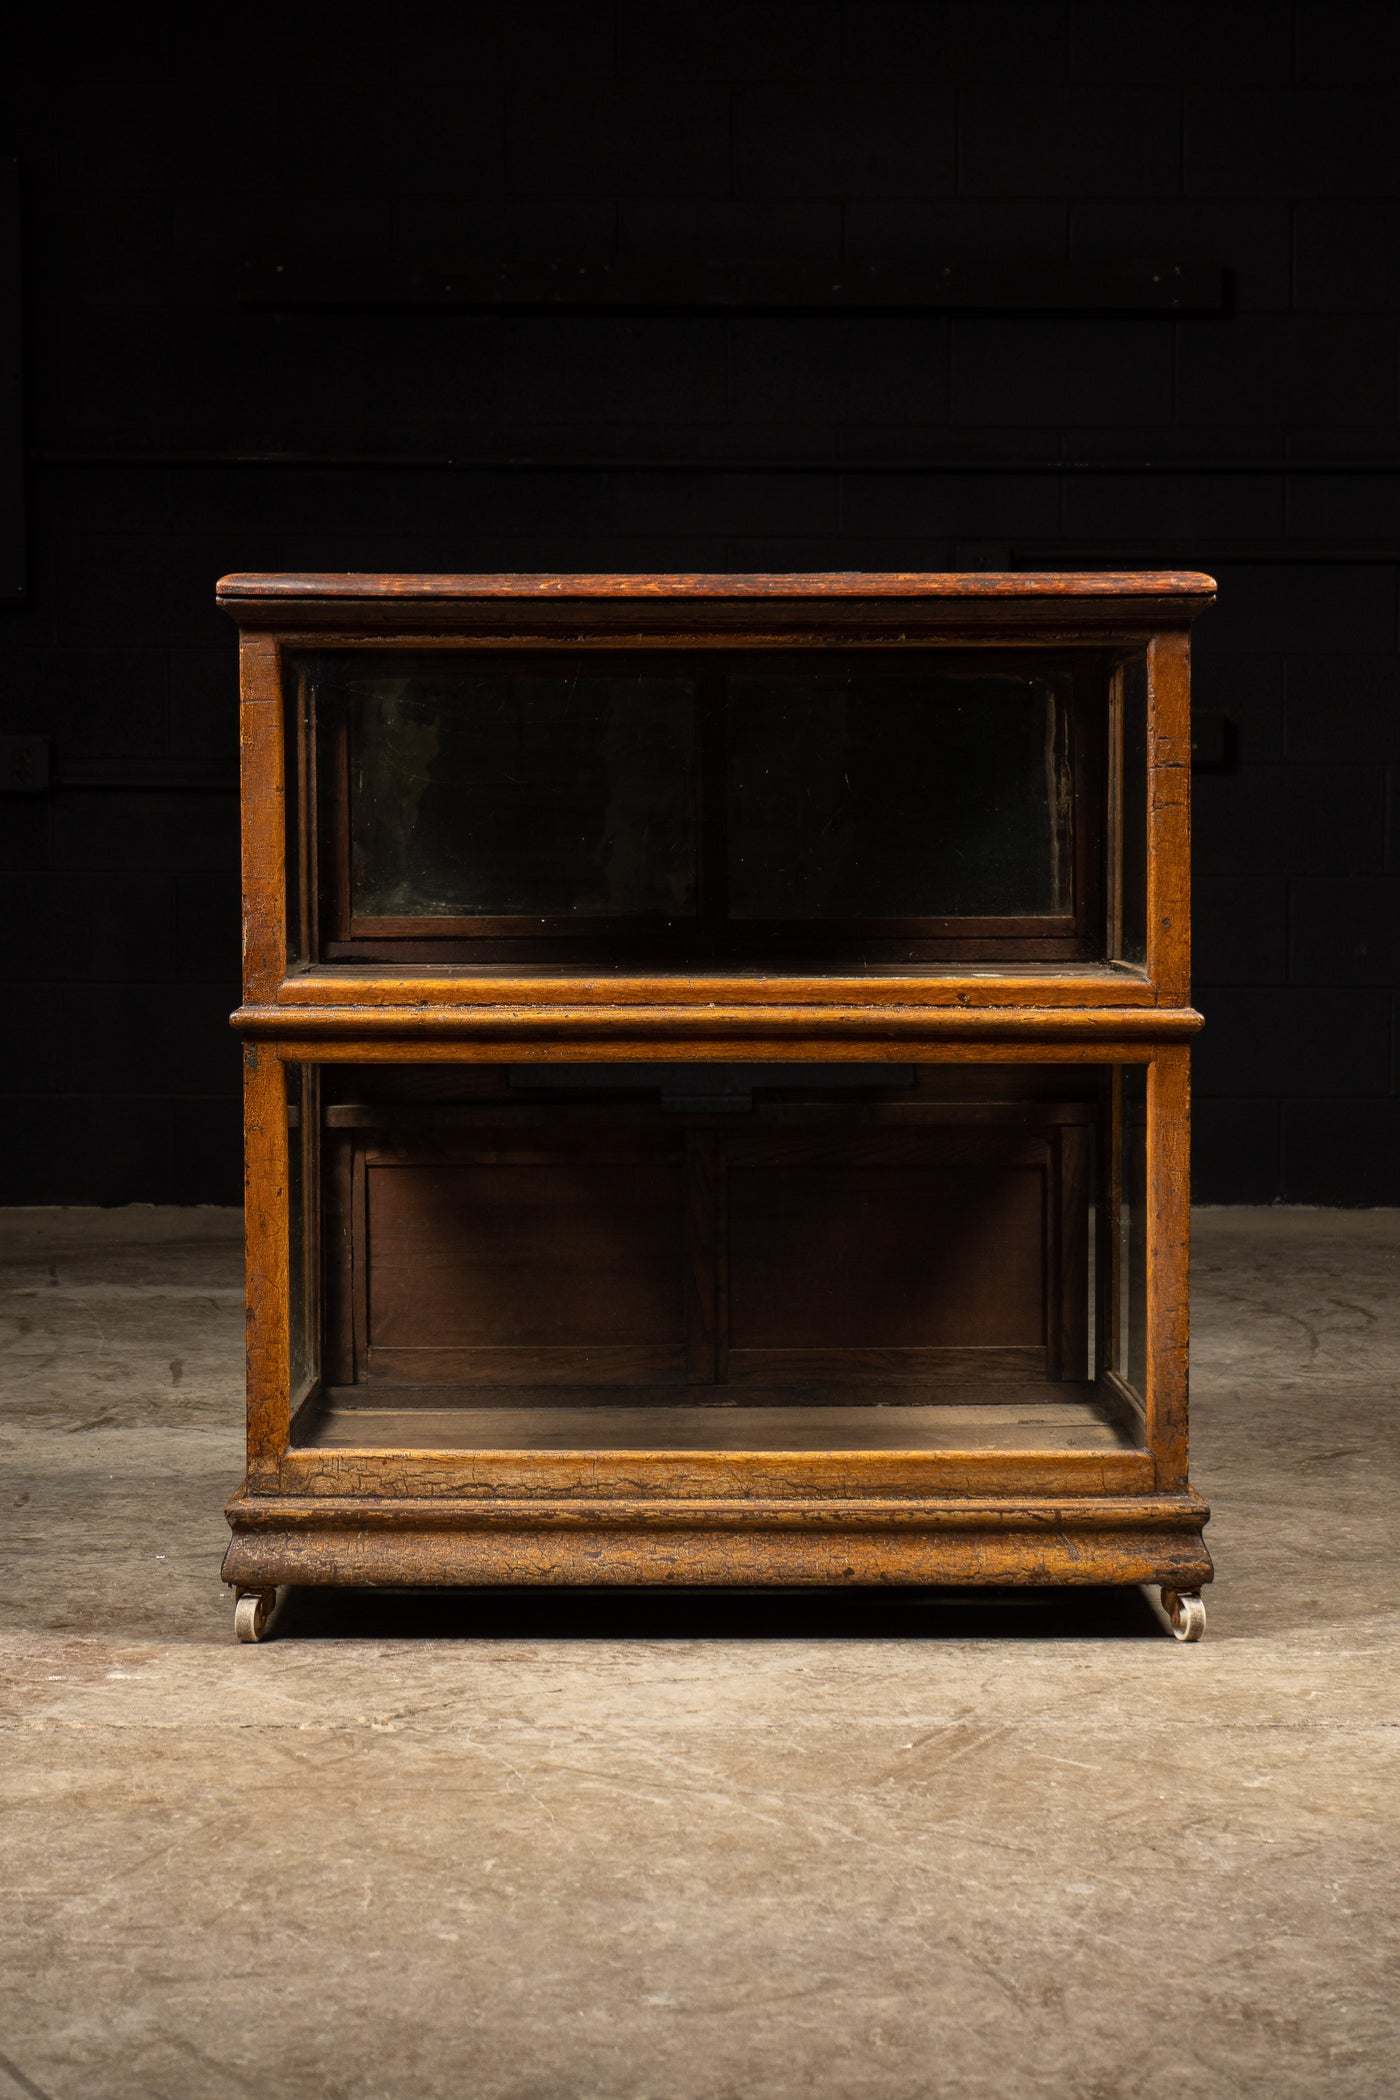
(237, 591)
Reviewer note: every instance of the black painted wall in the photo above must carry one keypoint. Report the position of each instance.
(1261, 443)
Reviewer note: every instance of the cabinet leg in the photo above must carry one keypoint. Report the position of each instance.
(252, 1612)
(1186, 1612)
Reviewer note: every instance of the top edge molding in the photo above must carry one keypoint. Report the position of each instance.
(1194, 589)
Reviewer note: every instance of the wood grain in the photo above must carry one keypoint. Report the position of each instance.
(235, 592)
(1169, 817)
(453, 1479)
(448, 984)
(818, 1028)
(262, 802)
(1131, 1539)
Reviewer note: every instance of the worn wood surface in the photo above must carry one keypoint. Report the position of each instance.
(885, 1032)
(237, 591)
(1169, 817)
(262, 802)
(883, 609)
(880, 610)
(1124, 1539)
(366, 987)
(381, 1476)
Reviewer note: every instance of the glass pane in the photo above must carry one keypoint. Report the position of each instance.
(304, 1244)
(1132, 933)
(536, 794)
(504, 1268)
(1132, 1229)
(914, 796)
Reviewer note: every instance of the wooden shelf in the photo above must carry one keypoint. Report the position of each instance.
(1036, 1417)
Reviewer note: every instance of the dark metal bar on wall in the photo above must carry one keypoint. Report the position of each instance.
(476, 284)
(681, 463)
(30, 766)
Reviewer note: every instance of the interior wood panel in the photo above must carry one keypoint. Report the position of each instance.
(822, 1243)
(884, 1365)
(457, 1254)
(607, 1364)
(844, 1256)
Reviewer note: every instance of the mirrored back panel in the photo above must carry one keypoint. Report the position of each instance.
(717, 808)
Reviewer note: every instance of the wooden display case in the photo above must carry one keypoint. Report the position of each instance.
(716, 1060)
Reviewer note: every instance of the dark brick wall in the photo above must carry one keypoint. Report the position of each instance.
(1262, 443)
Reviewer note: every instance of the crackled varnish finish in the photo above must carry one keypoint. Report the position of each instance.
(499, 1335)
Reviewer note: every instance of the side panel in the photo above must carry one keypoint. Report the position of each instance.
(1169, 817)
(263, 798)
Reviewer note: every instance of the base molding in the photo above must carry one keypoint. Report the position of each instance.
(387, 1544)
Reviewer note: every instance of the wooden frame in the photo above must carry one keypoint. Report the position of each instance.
(950, 1508)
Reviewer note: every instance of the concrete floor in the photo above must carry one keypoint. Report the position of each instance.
(555, 1849)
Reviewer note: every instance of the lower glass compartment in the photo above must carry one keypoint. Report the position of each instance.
(907, 1258)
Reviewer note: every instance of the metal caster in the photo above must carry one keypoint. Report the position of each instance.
(252, 1612)
(1186, 1612)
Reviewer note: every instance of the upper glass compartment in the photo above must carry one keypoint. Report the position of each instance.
(662, 808)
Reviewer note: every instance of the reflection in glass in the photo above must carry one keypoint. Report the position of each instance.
(303, 1221)
(897, 797)
(549, 795)
(1132, 932)
(1132, 1224)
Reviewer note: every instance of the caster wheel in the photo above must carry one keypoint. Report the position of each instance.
(252, 1612)
(1186, 1612)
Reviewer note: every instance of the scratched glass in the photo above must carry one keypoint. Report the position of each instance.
(531, 795)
